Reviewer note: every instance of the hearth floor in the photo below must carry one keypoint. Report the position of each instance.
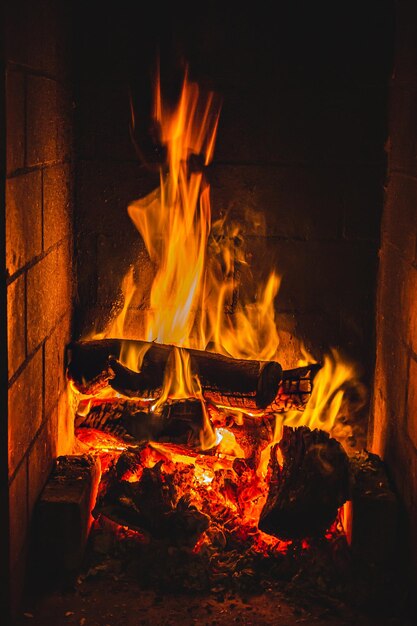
(108, 592)
(103, 602)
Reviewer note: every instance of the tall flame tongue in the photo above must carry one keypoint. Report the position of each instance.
(174, 221)
(194, 278)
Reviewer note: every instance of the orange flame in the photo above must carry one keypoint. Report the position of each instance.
(193, 293)
(331, 384)
(194, 279)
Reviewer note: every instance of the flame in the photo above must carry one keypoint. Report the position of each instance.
(195, 260)
(200, 268)
(331, 383)
(227, 444)
(179, 382)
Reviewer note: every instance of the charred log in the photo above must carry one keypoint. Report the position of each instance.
(246, 384)
(178, 422)
(153, 504)
(97, 362)
(307, 491)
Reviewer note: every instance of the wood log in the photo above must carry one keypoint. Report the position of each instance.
(306, 492)
(179, 422)
(246, 384)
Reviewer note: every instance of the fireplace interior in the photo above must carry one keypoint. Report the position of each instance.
(210, 380)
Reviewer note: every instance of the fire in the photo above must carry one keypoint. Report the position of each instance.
(194, 259)
(331, 383)
(179, 384)
(190, 301)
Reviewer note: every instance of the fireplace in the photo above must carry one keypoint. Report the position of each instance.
(300, 165)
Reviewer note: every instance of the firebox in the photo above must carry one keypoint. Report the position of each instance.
(210, 249)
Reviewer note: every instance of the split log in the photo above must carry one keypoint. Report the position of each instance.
(306, 492)
(246, 384)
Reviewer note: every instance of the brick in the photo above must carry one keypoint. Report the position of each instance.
(56, 204)
(412, 402)
(262, 126)
(63, 515)
(107, 240)
(292, 202)
(63, 422)
(18, 513)
(41, 120)
(18, 537)
(17, 576)
(413, 316)
(25, 410)
(111, 264)
(48, 294)
(403, 130)
(406, 28)
(55, 379)
(391, 292)
(16, 331)
(23, 220)
(15, 120)
(399, 225)
(362, 196)
(408, 306)
(37, 35)
(40, 461)
(401, 461)
(104, 192)
(389, 389)
(48, 116)
(316, 275)
(103, 117)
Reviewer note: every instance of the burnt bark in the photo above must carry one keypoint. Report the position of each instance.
(306, 492)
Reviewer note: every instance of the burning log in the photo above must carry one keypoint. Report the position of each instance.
(245, 384)
(154, 503)
(95, 363)
(179, 422)
(307, 491)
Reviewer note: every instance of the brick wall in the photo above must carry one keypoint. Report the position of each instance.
(38, 254)
(394, 429)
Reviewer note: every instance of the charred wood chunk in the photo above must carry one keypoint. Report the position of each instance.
(306, 493)
(153, 504)
(121, 417)
(180, 422)
(256, 382)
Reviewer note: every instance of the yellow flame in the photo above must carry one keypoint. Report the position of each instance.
(227, 444)
(198, 299)
(195, 260)
(179, 381)
(265, 455)
(329, 391)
